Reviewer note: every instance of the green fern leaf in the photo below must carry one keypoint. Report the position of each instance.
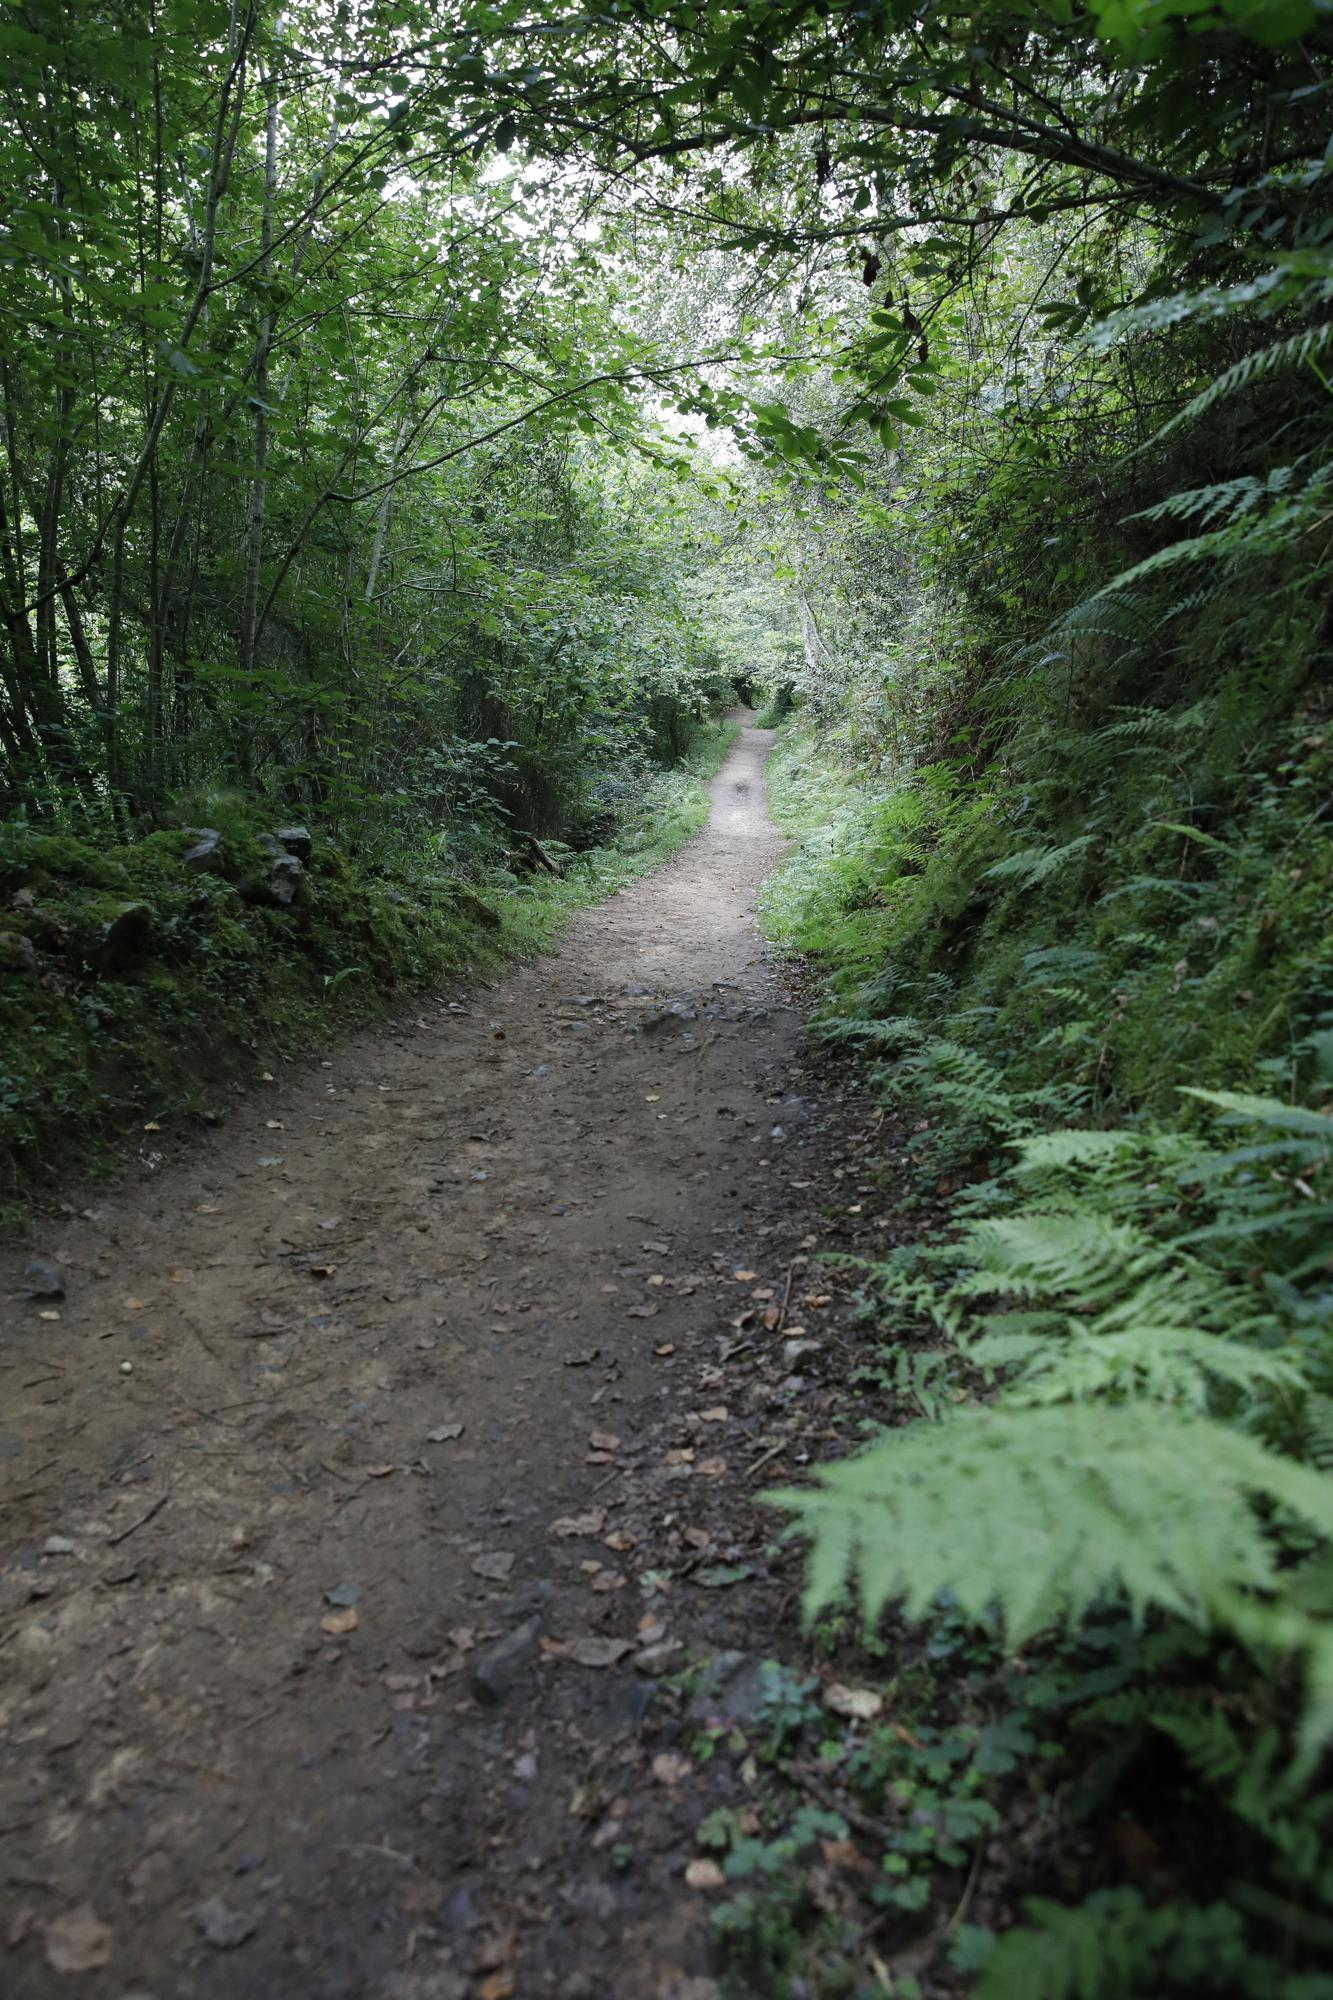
(1318, 1415)
(1034, 1253)
(1034, 1514)
(1267, 1111)
(1296, 351)
(1170, 1364)
(1114, 1948)
(1034, 865)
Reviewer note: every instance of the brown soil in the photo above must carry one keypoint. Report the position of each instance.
(410, 1308)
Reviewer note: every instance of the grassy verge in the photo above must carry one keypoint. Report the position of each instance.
(136, 989)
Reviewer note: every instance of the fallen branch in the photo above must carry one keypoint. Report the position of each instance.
(540, 854)
(142, 1521)
(786, 1296)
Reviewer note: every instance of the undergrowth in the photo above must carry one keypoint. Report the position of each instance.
(1092, 984)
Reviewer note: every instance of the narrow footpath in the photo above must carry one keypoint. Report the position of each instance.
(383, 1465)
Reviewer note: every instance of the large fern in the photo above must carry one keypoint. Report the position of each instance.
(1244, 516)
(1113, 1947)
(1147, 1386)
(1297, 350)
(1035, 1514)
(1247, 529)
(1034, 865)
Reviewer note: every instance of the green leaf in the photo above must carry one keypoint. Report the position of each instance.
(1035, 1515)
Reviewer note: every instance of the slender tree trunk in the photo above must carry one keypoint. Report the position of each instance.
(382, 514)
(83, 653)
(114, 626)
(21, 741)
(226, 132)
(154, 747)
(49, 510)
(254, 537)
(180, 638)
(30, 694)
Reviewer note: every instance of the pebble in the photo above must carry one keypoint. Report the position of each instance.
(43, 1280)
(501, 1665)
(733, 1686)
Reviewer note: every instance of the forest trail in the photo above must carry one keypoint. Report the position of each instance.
(409, 1308)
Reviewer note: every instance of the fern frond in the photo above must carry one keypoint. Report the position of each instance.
(1253, 1778)
(1160, 885)
(1272, 1217)
(1318, 1421)
(1009, 1347)
(1170, 1364)
(1113, 1947)
(1294, 352)
(949, 1073)
(1290, 276)
(894, 1287)
(1062, 959)
(1072, 1147)
(1267, 1111)
(1246, 533)
(1227, 500)
(1037, 1253)
(1153, 725)
(1245, 1772)
(1035, 1514)
(895, 1031)
(1034, 865)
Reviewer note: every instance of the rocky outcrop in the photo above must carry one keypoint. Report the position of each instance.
(18, 955)
(121, 939)
(276, 881)
(205, 857)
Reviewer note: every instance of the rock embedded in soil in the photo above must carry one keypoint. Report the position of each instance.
(277, 883)
(221, 1925)
(206, 854)
(623, 1711)
(732, 1686)
(668, 1016)
(124, 938)
(18, 955)
(43, 1280)
(497, 1670)
(297, 840)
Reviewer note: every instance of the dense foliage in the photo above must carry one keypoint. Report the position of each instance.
(324, 500)
(413, 415)
(1062, 783)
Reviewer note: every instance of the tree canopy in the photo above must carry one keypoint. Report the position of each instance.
(331, 336)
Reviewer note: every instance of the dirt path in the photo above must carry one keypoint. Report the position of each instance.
(469, 1277)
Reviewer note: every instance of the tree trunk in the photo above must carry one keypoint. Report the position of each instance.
(254, 535)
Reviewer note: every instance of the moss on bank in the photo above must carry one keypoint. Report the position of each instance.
(135, 988)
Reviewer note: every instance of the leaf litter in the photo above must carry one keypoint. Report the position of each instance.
(78, 1941)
